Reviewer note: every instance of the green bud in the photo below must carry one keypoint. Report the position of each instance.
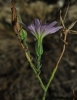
(23, 36)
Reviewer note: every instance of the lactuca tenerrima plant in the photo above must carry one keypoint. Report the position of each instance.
(40, 30)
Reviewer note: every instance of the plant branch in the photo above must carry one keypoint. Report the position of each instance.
(33, 67)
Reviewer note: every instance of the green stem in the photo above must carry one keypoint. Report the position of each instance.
(32, 65)
(51, 78)
(35, 71)
(38, 63)
(41, 83)
(44, 95)
(48, 84)
(55, 69)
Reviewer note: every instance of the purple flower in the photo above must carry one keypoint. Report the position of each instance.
(40, 30)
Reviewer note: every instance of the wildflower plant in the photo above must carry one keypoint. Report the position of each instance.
(39, 31)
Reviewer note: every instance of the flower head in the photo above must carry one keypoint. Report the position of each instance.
(40, 30)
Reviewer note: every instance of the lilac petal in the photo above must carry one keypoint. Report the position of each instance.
(26, 28)
(37, 25)
(32, 28)
(51, 25)
(52, 30)
(43, 27)
(55, 29)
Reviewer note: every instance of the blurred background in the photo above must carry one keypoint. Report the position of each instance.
(17, 80)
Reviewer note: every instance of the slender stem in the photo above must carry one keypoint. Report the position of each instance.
(33, 67)
(55, 69)
(31, 64)
(38, 63)
(44, 95)
(41, 83)
(35, 71)
(51, 78)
